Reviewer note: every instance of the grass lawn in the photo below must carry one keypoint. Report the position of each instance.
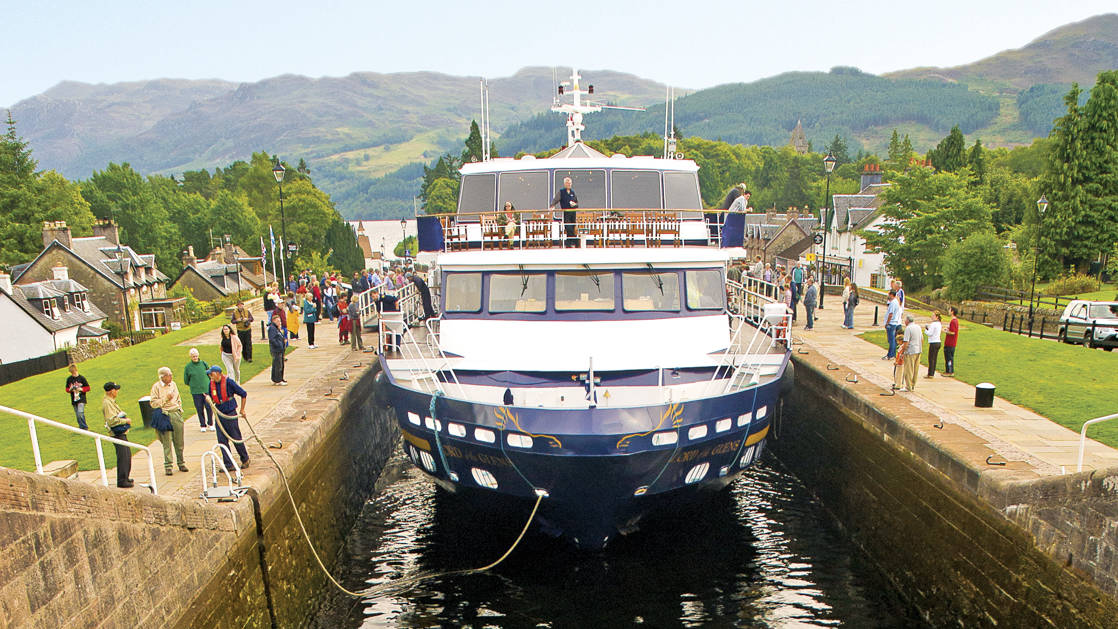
(1068, 384)
(134, 368)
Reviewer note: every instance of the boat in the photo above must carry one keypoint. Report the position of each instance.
(603, 373)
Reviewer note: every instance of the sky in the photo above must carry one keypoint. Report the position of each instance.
(689, 44)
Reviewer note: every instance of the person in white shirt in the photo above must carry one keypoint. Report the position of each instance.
(910, 349)
(933, 330)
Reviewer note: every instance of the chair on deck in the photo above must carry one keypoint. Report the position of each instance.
(493, 232)
(537, 229)
(659, 225)
(454, 235)
(590, 226)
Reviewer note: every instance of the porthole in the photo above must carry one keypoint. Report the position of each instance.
(483, 477)
(697, 473)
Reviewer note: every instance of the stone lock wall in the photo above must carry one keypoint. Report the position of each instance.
(962, 549)
(82, 555)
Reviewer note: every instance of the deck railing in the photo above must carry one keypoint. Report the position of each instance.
(1083, 437)
(97, 437)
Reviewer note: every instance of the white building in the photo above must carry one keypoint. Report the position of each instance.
(40, 318)
(846, 251)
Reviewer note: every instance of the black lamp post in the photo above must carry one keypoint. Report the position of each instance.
(1041, 206)
(278, 172)
(403, 232)
(829, 166)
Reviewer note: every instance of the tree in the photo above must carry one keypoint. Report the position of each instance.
(928, 212)
(1065, 229)
(122, 194)
(896, 158)
(978, 260)
(1100, 166)
(837, 148)
(950, 154)
(976, 159)
(344, 252)
(409, 244)
(474, 146)
(907, 152)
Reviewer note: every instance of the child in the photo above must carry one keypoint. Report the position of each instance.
(343, 321)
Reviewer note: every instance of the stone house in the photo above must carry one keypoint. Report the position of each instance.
(778, 237)
(118, 279)
(43, 317)
(225, 271)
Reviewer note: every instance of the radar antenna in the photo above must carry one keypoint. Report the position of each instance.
(670, 151)
(578, 107)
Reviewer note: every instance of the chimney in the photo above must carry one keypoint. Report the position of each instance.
(228, 254)
(6, 283)
(56, 230)
(61, 272)
(188, 258)
(871, 174)
(107, 229)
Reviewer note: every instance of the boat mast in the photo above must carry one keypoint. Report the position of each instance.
(577, 107)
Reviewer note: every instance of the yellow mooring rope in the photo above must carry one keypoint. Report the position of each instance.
(396, 586)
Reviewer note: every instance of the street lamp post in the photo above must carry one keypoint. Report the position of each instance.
(1041, 206)
(403, 232)
(829, 166)
(278, 172)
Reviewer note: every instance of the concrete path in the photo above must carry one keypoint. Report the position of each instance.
(1015, 433)
(267, 405)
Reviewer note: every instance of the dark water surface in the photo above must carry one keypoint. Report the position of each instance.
(763, 554)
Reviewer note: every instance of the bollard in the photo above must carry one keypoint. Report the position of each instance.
(875, 316)
(1041, 335)
(263, 331)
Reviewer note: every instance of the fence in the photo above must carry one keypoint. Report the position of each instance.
(1018, 323)
(1007, 295)
(32, 366)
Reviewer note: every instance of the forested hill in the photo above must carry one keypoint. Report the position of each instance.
(844, 101)
(175, 125)
(1074, 52)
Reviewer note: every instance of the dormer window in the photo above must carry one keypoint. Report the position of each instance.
(49, 308)
(65, 303)
(80, 302)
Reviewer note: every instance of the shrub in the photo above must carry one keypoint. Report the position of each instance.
(980, 259)
(1073, 284)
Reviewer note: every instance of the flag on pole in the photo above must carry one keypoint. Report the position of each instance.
(263, 249)
(272, 236)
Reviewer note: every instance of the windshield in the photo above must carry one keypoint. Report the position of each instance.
(517, 293)
(478, 193)
(584, 291)
(1104, 311)
(651, 291)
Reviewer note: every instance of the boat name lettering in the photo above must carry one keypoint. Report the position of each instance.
(702, 453)
(474, 457)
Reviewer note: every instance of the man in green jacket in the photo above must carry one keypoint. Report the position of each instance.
(194, 376)
(118, 423)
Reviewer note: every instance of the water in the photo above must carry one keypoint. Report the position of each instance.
(763, 554)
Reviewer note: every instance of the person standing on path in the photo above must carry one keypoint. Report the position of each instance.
(195, 378)
(933, 330)
(343, 321)
(424, 295)
(310, 317)
(277, 343)
(850, 302)
(355, 342)
(224, 392)
(77, 386)
(912, 338)
(797, 275)
(809, 303)
(892, 325)
(165, 399)
(950, 342)
(242, 318)
(117, 422)
(231, 351)
(567, 200)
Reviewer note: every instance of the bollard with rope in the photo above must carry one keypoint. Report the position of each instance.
(393, 587)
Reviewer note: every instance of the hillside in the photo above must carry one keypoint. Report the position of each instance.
(366, 136)
(1074, 52)
(175, 125)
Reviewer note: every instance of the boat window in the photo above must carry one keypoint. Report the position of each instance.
(650, 291)
(589, 185)
(517, 292)
(527, 191)
(584, 291)
(704, 289)
(681, 191)
(636, 189)
(463, 292)
(478, 193)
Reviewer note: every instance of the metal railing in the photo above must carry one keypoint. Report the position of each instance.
(97, 437)
(1083, 437)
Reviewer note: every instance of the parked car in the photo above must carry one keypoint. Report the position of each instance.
(1091, 323)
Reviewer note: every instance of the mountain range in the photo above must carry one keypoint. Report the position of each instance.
(365, 136)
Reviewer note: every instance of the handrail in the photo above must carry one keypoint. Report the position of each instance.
(97, 437)
(1083, 437)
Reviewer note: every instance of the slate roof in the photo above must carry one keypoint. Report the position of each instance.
(91, 331)
(102, 256)
(29, 297)
(854, 211)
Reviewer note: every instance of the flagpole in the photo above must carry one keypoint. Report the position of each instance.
(273, 243)
(283, 258)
